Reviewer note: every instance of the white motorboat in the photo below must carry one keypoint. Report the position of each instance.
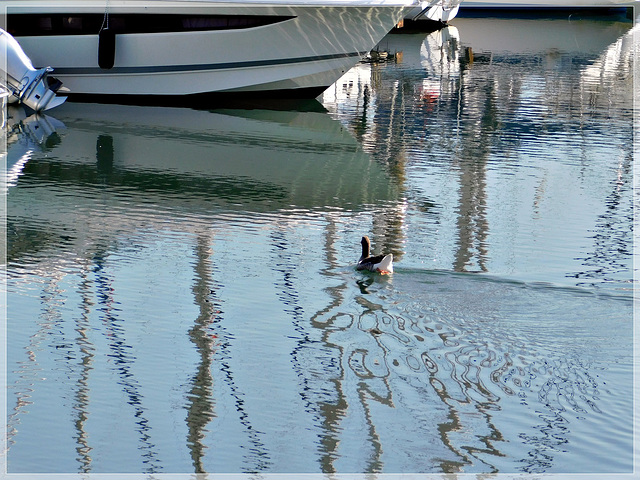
(176, 48)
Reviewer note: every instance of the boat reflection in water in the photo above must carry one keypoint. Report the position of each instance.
(481, 94)
(497, 131)
(186, 278)
(88, 190)
(275, 159)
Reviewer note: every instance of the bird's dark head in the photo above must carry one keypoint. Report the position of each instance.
(366, 246)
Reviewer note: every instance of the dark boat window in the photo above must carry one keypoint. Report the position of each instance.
(44, 24)
(73, 23)
(27, 24)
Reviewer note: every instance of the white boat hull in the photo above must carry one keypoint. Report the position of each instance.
(306, 52)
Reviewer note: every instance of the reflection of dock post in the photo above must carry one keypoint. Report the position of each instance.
(468, 55)
(83, 393)
(104, 154)
(200, 406)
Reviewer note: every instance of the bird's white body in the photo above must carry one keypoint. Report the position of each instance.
(381, 263)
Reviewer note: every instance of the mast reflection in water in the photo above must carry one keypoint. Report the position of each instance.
(182, 295)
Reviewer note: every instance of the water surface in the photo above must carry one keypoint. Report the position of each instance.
(181, 289)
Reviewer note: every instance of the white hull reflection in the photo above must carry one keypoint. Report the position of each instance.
(437, 54)
(498, 36)
(278, 160)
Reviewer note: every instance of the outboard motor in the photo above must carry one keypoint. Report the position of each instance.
(32, 87)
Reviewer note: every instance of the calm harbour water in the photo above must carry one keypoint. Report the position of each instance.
(181, 286)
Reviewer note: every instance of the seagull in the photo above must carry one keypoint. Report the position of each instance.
(379, 263)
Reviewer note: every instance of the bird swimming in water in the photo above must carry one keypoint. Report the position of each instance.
(379, 263)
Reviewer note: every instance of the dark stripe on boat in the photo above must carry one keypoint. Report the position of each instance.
(199, 67)
(290, 99)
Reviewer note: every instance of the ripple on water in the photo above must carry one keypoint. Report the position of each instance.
(514, 362)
